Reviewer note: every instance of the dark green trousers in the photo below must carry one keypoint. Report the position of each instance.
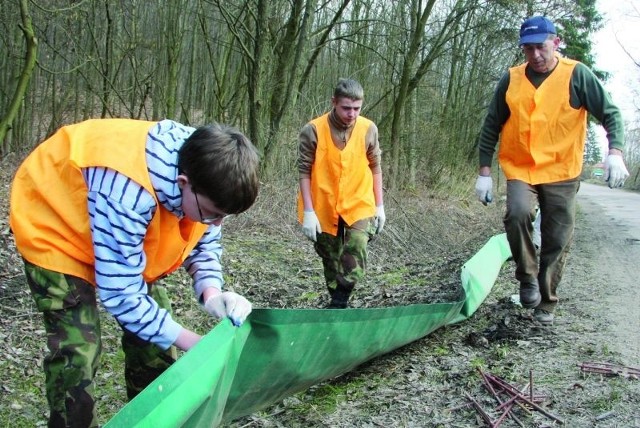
(557, 203)
(72, 322)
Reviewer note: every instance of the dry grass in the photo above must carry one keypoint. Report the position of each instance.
(426, 240)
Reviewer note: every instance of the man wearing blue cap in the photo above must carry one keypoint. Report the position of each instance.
(539, 113)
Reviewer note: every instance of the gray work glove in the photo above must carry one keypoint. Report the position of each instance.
(381, 218)
(311, 225)
(484, 189)
(615, 171)
(229, 305)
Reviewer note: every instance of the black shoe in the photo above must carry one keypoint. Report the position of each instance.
(339, 296)
(543, 317)
(529, 295)
(337, 304)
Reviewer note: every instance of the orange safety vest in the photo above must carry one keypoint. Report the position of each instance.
(48, 213)
(341, 180)
(543, 140)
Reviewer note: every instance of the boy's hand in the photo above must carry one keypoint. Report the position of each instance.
(229, 304)
(311, 225)
(381, 218)
(187, 339)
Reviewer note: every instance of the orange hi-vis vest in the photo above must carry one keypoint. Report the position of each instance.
(49, 216)
(543, 140)
(341, 180)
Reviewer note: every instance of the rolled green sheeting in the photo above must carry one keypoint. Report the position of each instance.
(233, 372)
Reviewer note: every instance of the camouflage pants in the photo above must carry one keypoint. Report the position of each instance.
(72, 322)
(344, 257)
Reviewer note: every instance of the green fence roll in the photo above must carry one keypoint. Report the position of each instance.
(233, 372)
(480, 272)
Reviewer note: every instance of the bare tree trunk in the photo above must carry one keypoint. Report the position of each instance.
(173, 48)
(419, 22)
(106, 63)
(255, 73)
(23, 81)
(289, 55)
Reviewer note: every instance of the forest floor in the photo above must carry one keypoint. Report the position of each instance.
(418, 257)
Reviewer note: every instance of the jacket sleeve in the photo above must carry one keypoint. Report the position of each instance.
(497, 114)
(120, 211)
(374, 154)
(308, 142)
(204, 262)
(591, 94)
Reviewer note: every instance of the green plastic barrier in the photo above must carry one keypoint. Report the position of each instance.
(480, 273)
(233, 372)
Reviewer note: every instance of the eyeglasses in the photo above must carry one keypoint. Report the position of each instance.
(203, 219)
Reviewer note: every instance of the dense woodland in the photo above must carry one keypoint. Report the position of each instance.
(267, 66)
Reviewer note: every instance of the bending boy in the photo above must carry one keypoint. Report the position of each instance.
(105, 208)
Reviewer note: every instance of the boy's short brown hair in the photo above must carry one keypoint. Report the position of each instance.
(222, 164)
(348, 88)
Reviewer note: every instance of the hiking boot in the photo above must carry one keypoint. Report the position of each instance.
(337, 304)
(543, 317)
(529, 295)
(339, 299)
(339, 295)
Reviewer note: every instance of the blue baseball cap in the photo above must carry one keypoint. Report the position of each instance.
(536, 30)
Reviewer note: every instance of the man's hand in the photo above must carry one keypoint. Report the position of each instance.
(229, 304)
(310, 225)
(615, 171)
(484, 189)
(381, 218)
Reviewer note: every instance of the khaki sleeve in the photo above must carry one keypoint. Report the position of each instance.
(307, 144)
(374, 154)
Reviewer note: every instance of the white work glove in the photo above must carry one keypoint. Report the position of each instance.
(228, 304)
(537, 235)
(310, 225)
(615, 171)
(484, 189)
(381, 218)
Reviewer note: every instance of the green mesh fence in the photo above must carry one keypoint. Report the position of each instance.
(233, 372)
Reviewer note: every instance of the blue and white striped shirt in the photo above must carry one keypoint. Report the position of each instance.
(120, 211)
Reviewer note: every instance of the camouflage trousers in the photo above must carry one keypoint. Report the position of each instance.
(72, 322)
(344, 257)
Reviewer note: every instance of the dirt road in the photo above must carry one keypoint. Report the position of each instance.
(612, 221)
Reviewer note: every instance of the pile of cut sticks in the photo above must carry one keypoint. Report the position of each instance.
(608, 369)
(509, 396)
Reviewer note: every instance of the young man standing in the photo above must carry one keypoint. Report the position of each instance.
(340, 203)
